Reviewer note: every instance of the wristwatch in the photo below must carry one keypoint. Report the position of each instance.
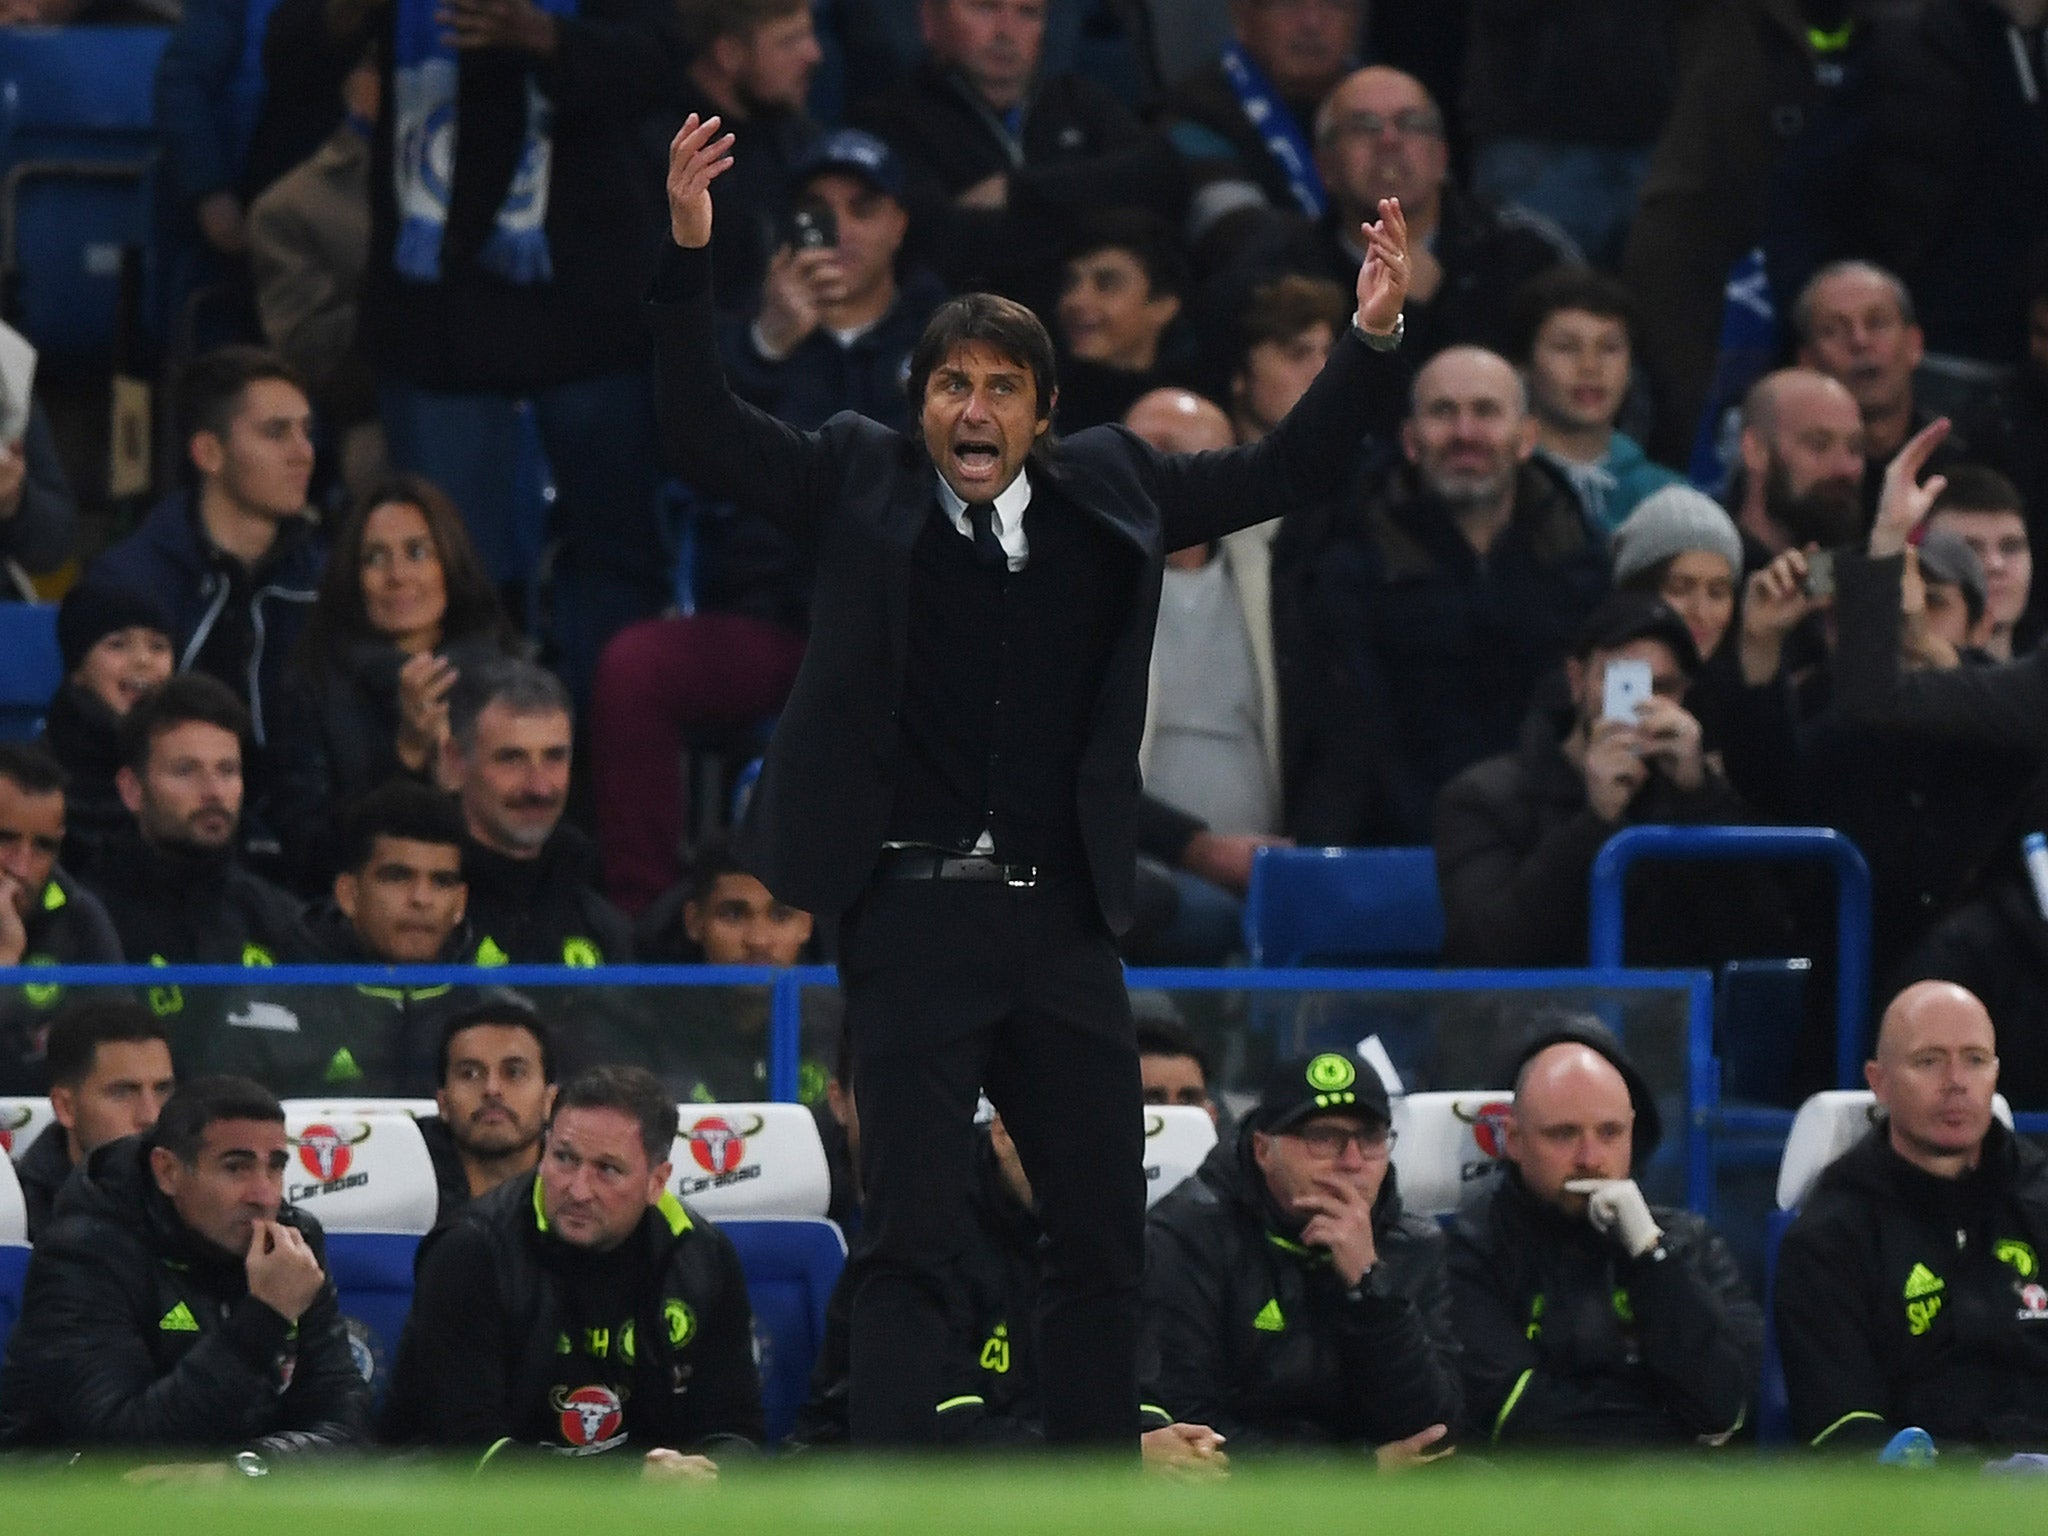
(250, 1464)
(1385, 343)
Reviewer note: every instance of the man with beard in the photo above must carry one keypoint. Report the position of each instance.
(1452, 593)
(1802, 466)
(110, 1073)
(532, 878)
(497, 1091)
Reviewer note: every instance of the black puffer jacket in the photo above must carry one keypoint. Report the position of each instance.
(134, 1331)
(1904, 1299)
(85, 738)
(544, 910)
(66, 925)
(1256, 1336)
(1569, 1341)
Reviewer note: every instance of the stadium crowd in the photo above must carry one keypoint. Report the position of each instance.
(1700, 488)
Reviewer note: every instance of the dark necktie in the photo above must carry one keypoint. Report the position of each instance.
(988, 549)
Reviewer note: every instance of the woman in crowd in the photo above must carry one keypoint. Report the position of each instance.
(404, 607)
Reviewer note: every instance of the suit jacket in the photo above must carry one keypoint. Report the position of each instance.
(856, 495)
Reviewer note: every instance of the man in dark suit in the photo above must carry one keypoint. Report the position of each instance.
(956, 775)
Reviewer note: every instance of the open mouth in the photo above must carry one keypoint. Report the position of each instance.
(977, 460)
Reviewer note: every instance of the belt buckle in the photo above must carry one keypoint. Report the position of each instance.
(1020, 877)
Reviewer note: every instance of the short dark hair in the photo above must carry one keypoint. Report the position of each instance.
(187, 698)
(1978, 488)
(211, 387)
(1143, 236)
(632, 1091)
(1163, 1037)
(524, 687)
(507, 1010)
(398, 808)
(1558, 289)
(1002, 325)
(1285, 307)
(31, 768)
(704, 22)
(714, 860)
(181, 1128)
(81, 1028)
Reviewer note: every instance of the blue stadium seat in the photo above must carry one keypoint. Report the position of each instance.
(1759, 1008)
(1344, 906)
(373, 1279)
(78, 147)
(13, 1274)
(30, 668)
(791, 1267)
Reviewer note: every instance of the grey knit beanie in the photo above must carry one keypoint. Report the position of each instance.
(1670, 522)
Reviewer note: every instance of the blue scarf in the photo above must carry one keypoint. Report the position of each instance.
(1267, 113)
(423, 158)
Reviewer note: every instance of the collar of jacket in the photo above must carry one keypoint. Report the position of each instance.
(665, 1215)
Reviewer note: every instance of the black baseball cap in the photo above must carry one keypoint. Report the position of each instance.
(1327, 1084)
(857, 154)
(1630, 616)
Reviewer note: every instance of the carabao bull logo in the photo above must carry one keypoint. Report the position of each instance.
(325, 1153)
(718, 1145)
(591, 1417)
(12, 1118)
(1489, 1124)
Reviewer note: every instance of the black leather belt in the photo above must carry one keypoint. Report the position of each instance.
(910, 864)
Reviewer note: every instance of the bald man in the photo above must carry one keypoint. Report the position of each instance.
(1210, 754)
(1590, 1317)
(1452, 589)
(1909, 1290)
(1802, 465)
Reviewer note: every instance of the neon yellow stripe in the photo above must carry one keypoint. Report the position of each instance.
(1847, 1418)
(499, 1446)
(540, 1216)
(672, 1212)
(1822, 41)
(1500, 1419)
(969, 1401)
(1158, 1412)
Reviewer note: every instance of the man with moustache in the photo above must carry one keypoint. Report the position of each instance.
(1802, 461)
(533, 896)
(497, 1089)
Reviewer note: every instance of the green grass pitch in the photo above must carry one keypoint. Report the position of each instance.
(1736, 1495)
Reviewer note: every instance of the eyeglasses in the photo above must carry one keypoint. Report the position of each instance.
(1329, 1141)
(1412, 124)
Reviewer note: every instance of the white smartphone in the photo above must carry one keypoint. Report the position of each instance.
(1627, 685)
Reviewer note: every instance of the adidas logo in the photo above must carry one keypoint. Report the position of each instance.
(1923, 1282)
(1269, 1319)
(179, 1320)
(342, 1068)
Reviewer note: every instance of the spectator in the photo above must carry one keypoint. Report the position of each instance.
(994, 1365)
(1983, 509)
(1516, 835)
(404, 610)
(1855, 323)
(1909, 1286)
(1210, 754)
(495, 1092)
(591, 1248)
(1175, 1070)
(751, 63)
(1955, 165)
(834, 327)
(1284, 332)
(1564, 103)
(38, 514)
(532, 900)
(1379, 134)
(1005, 157)
(1291, 1301)
(110, 1074)
(1802, 465)
(710, 1044)
(1953, 600)
(397, 901)
(1125, 283)
(1453, 594)
(1588, 1315)
(1680, 546)
(509, 250)
(174, 1300)
(1243, 123)
(1574, 337)
(46, 918)
(115, 644)
(173, 883)
(309, 240)
(234, 557)
(2008, 428)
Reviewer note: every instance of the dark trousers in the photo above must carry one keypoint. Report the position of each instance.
(954, 988)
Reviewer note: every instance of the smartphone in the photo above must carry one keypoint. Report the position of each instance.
(813, 227)
(1627, 685)
(1820, 573)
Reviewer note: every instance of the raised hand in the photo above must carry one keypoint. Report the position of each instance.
(1383, 279)
(1905, 501)
(697, 156)
(1773, 603)
(283, 1274)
